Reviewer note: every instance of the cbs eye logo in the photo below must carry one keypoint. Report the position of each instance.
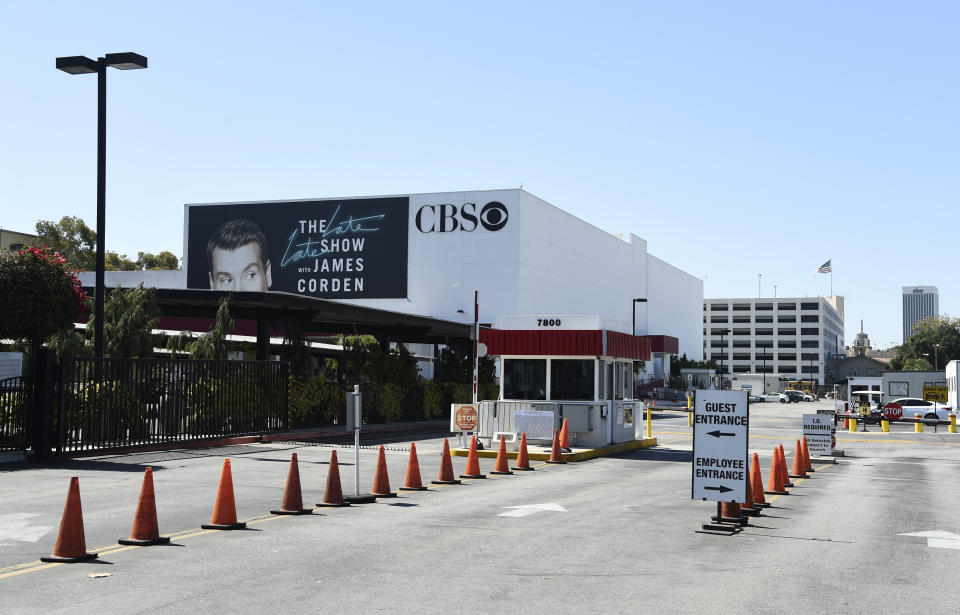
(447, 218)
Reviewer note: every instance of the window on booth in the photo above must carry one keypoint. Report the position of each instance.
(571, 379)
(525, 378)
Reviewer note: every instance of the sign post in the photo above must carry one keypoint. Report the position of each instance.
(819, 431)
(354, 405)
(721, 422)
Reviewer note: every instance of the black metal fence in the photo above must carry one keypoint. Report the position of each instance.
(15, 415)
(105, 404)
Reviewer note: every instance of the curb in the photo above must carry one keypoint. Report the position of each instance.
(590, 453)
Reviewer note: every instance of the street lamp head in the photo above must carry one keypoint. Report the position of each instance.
(125, 61)
(77, 65)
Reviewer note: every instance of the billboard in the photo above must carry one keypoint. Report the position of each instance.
(332, 249)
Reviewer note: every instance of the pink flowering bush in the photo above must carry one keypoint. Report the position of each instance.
(40, 294)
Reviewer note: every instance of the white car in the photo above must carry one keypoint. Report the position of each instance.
(926, 409)
(775, 397)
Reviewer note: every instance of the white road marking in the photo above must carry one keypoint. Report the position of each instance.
(17, 526)
(531, 509)
(938, 539)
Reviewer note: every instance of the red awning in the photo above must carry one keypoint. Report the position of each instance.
(566, 343)
(664, 343)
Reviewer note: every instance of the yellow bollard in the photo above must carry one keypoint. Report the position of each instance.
(853, 424)
(690, 421)
(884, 425)
(918, 426)
(953, 423)
(649, 423)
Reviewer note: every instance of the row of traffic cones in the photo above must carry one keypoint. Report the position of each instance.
(71, 541)
(737, 513)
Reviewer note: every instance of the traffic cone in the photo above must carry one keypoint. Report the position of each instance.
(381, 481)
(473, 461)
(746, 506)
(756, 482)
(225, 508)
(775, 484)
(71, 543)
(412, 481)
(730, 513)
(797, 471)
(145, 531)
(555, 456)
(846, 423)
(564, 437)
(333, 493)
(784, 473)
(446, 468)
(523, 463)
(502, 467)
(292, 501)
(806, 455)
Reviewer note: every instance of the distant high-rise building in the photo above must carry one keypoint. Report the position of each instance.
(919, 302)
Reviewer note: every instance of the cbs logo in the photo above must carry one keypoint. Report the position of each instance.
(446, 218)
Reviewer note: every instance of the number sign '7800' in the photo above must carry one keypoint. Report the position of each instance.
(721, 422)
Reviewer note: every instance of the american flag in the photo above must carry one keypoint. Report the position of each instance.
(824, 268)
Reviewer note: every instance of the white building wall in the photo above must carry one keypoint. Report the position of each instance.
(675, 306)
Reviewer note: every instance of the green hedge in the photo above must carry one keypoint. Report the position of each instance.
(317, 402)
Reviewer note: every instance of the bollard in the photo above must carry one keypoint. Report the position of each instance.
(953, 423)
(918, 426)
(853, 424)
(884, 425)
(690, 421)
(649, 423)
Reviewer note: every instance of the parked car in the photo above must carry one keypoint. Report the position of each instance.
(926, 409)
(795, 395)
(775, 397)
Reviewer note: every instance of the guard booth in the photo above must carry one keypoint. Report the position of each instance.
(548, 374)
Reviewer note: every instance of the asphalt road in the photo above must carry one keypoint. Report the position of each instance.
(611, 535)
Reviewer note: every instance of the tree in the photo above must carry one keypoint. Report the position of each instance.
(455, 364)
(161, 261)
(72, 238)
(115, 262)
(935, 339)
(213, 343)
(296, 352)
(40, 295)
(130, 315)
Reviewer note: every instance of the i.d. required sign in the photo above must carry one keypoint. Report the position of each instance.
(721, 421)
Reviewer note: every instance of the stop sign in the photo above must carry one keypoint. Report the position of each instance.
(893, 410)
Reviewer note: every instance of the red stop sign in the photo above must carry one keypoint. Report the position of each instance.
(833, 441)
(893, 410)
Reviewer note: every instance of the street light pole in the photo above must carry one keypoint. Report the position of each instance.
(723, 349)
(78, 65)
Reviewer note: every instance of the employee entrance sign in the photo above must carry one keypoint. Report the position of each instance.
(721, 421)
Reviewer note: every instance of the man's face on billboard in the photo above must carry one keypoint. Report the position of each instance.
(240, 269)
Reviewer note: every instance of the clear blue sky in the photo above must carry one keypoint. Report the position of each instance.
(736, 137)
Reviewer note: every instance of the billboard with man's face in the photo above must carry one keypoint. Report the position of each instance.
(334, 249)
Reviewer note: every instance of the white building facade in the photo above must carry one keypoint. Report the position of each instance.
(792, 337)
(919, 302)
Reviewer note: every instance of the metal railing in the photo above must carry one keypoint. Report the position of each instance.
(119, 403)
(15, 417)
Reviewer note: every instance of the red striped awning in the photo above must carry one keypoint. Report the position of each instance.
(566, 343)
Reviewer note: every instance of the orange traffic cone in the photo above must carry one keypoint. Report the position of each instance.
(756, 483)
(797, 470)
(225, 508)
(730, 513)
(775, 484)
(555, 456)
(71, 543)
(412, 481)
(145, 531)
(333, 493)
(564, 437)
(846, 423)
(806, 455)
(523, 463)
(502, 467)
(381, 482)
(446, 468)
(292, 501)
(784, 473)
(473, 461)
(747, 506)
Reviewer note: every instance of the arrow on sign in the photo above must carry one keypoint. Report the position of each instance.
(938, 539)
(718, 433)
(531, 509)
(721, 489)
